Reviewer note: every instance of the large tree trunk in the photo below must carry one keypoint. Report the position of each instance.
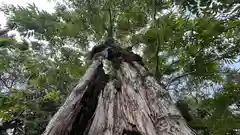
(137, 104)
(118, 109)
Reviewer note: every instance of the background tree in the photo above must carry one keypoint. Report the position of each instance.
(186, 45)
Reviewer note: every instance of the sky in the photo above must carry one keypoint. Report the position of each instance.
(42, 4)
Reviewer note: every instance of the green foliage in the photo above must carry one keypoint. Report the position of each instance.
(5, 41)
(217, 114)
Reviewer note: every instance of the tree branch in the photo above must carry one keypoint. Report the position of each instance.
(129, 48)
(179, 77)
(4, 31)
(5, 84)
(158, 46)
(186, 74)
(13, 80)
(94, 14)
(110, 27)
(170, 65)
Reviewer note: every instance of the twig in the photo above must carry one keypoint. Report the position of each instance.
(180, 76)
(170, 65)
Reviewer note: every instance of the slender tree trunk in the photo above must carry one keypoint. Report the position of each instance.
(132, 106)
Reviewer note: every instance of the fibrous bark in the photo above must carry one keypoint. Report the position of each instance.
(137, 104)
(79, 103)
(128, 102)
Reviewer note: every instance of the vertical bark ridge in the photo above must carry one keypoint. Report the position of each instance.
(133, 105)
(63, 120)
(137, 103)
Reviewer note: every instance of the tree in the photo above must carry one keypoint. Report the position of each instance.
(134, 101)
(185, 50)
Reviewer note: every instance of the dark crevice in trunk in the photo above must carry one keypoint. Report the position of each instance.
(131, 131)
(116, 54)
(89, 103)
